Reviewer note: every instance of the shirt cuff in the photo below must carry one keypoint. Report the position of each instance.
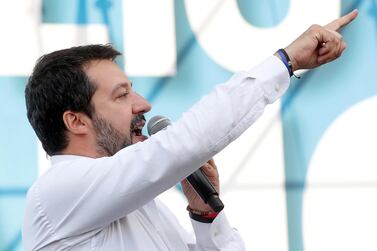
(274, 77)
(213, 235)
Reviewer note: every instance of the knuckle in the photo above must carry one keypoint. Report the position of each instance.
(315, 27)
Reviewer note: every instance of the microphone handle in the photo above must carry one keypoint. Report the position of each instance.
(199, 181)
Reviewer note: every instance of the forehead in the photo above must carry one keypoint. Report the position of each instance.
(106, 74)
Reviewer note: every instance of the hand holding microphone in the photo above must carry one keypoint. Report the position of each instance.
(196, 202)
(209, 197)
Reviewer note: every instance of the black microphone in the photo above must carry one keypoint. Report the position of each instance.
(198, 179)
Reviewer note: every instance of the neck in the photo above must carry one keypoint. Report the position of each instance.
(82, 146)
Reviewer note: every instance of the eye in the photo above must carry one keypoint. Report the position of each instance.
(122, 95)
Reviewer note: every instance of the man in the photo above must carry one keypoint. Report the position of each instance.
(100, 192)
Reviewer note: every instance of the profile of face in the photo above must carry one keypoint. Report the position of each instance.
(118, 118)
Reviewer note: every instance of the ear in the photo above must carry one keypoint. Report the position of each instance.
(76, 122)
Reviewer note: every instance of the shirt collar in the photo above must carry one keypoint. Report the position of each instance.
(61, 158)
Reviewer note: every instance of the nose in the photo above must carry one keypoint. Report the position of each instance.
(140, 104)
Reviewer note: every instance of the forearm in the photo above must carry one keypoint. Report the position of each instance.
(146, 169)
(138, 173)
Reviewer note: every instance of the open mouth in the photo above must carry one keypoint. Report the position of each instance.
(137, 129)
(137, 132)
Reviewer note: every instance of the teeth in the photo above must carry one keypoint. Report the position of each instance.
(137, 131)
(138, 128)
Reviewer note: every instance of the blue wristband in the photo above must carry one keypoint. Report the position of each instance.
(286, 61)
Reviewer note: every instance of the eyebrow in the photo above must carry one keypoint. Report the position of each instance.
(120, 85)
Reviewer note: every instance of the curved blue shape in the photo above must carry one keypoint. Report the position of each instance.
(264, 14)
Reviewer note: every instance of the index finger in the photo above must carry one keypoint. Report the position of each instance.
(342, 21)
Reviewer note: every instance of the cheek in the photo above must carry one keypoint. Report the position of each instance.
(122, 120)
(118, 113)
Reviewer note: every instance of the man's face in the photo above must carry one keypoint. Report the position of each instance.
(118, 117)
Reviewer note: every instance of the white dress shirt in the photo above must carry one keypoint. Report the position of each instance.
(109, 203)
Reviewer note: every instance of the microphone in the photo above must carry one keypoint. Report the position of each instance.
(198, 179)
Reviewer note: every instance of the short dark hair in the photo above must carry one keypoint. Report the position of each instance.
(59, 83)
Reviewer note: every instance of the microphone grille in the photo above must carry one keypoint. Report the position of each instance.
(157, 123)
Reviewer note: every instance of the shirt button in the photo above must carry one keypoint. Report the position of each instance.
(277, 87)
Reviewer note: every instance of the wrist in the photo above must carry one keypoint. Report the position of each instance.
(199, 207)
(202, 216)
(199, 211)
(284, 57)
(292, 58)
